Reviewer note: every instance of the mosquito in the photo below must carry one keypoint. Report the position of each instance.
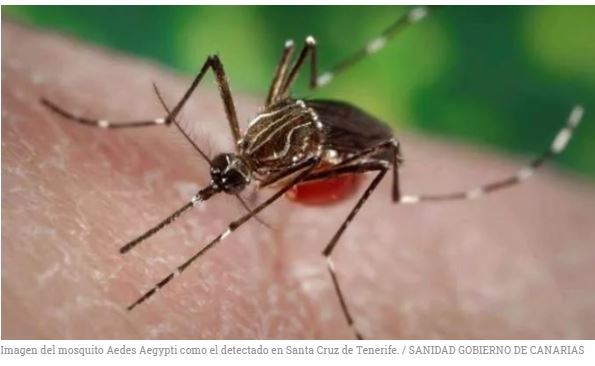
(312, 151)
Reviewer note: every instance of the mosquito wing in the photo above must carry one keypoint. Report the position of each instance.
(347, 128)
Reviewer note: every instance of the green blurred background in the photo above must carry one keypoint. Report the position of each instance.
(502, 77)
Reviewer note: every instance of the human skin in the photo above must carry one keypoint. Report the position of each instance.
(515, 264)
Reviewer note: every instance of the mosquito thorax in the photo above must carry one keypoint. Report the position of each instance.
(230, 173)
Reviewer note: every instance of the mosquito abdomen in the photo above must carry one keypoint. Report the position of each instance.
(327, 191)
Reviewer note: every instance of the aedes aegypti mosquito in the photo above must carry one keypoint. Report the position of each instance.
(313, 149)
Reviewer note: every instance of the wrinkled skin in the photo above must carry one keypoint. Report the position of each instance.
(517, 264)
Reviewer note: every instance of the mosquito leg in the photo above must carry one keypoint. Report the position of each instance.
(281, 81)
(557, 146)
(201, 196)
(215, 64)
(305, 167)
(356, 167)
(280, 88)
(309, 49)
(280, 72)
(212, 62)
(412, 16)
(331, 245)
(102, 123)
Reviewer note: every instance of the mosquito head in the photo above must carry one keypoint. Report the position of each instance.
(230, 173)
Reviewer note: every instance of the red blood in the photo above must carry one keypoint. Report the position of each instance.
(325, 192)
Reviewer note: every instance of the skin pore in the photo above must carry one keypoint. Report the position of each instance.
(516, 264)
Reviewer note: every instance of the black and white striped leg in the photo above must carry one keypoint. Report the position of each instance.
(214, 63)
(557, 146)
(308, 49)
(355, 168)
(281, 83)
(412, 16)
(306, 167)
(101, 123)
(201, 196)
(280, 72)
(331, 245)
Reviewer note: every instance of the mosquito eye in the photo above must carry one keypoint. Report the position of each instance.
(220, 162)
(233, 180)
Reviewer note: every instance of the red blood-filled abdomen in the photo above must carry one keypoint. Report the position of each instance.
(325, 192)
